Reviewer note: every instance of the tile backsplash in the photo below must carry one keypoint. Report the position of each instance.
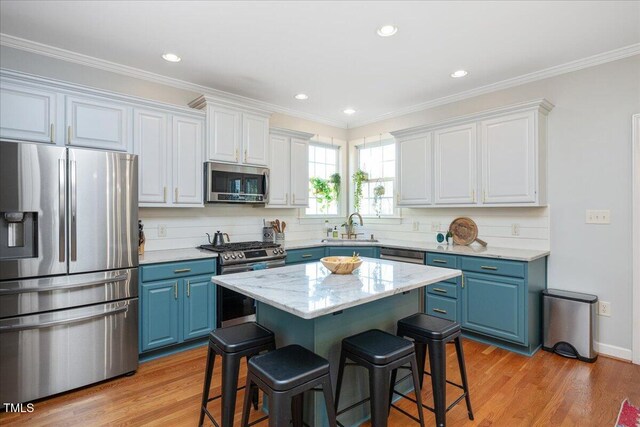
(186, 227)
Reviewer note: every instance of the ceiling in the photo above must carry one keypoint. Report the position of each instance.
(270, 51)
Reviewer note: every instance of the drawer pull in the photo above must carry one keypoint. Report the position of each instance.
(440, 261)
(488, 267)
(442, 291)
(307, 255)
(439, 310)
(182, 270)
(175, 291)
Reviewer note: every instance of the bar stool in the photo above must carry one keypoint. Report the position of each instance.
(381, 353)
(434, 333)
(232, 343)
(284, 375)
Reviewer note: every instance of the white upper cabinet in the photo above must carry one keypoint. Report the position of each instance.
(492, 158)
(279, 170)
(509, 171)
(414, 170)
(455, 165)
(187, 160)
(150, 138)
(27, 113)
(223, 134)
(97, 123)
(235, 134)
(299, 172)
(288, 169)
(255, 139)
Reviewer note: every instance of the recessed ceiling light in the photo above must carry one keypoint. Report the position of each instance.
(171, 57)
(349, 111)
(458, 74)
(301, 96)
(387, 30)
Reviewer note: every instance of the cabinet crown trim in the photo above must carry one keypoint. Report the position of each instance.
(542, 105)
(290, 133)
(203, 100)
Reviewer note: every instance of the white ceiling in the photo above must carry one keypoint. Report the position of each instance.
(270, 51)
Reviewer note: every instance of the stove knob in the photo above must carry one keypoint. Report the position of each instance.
(226, 257)
(281, 251)
(233, 256)
(240, 255)
(275, 251)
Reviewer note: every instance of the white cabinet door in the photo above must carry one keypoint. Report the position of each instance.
(152, 147)
(414, 172)
(509, 159)
(27, 113)
(188, 166)
(279, 171)
(255, 139)
(97, 123)
(455, 165)
(299, 172)
(224, 127)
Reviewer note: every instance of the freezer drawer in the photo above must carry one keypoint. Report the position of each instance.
(31, 296)
(48, 353)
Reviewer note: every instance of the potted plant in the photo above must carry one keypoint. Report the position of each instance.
(378, 192)
(359, 177)
(326, 191)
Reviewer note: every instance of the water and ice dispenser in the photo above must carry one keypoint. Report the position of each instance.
(18, 235)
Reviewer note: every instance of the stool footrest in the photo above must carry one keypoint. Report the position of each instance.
(208, 414)
(397, 408)
(252, 423)
(220, 395)
(455, 402)
(448, 382)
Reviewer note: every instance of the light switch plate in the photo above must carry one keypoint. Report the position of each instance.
(604, 308)
(162, 230)
(515, 229)
(602, 216)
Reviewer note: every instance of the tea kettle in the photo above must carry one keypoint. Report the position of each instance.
(218, 238)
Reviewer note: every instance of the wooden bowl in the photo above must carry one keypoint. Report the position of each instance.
(341, 264)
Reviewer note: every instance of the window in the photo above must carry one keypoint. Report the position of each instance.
(323, 162)
(378, 161)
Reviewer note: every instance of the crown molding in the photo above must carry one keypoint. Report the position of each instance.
(590, 61)
(290, 133)
(90, 61)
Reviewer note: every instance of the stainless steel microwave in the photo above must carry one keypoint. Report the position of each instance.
(235, 184)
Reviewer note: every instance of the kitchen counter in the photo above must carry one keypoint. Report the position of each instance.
(310, 290)
(170, 255)
(527, 255)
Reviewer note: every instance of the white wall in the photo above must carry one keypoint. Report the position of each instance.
(589, 135)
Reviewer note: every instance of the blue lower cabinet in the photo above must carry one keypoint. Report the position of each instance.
(494, 306)
(198, 307)
(364, 251)
(446, 308)
(299, 256)
(159, 314)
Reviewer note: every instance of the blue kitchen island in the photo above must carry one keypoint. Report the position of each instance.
(305, 304)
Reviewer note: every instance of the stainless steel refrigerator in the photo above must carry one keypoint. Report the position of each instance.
(68, 268)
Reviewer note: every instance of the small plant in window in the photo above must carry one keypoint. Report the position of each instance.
(378, 192)
(359, 177)
(326, 191)
(335, 182)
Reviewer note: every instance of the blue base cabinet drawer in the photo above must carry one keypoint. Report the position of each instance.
(442, 260)
(494, 306)
(493, 266)
(445, 308)
(443, 289)
(295, 256)
(172, 270)
(364, 251)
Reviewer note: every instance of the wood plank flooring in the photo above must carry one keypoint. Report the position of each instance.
(506, 390)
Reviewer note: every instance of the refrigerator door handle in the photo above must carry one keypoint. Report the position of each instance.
(87, 284)
(74, 226)
(61, 209)
(28, 326)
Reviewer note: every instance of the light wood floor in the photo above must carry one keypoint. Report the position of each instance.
(506, 390)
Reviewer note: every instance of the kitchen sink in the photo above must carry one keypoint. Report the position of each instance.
(336, 240)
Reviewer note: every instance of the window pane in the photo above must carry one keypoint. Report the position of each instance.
(323, 162)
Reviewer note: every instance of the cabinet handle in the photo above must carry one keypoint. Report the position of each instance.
(442, 291)
(176, 195)
(182, 270)
(293, 198)
(188, 289)
(52, 129)
(307, 256)
(484, 196)
(245, 156)
(473, 196)
(164, 194)
(286, 198)
(175, 291)
(397, 197)
(236, 154)
(439, 310)
(440, 261)
(68, 134)
(488, 267)
(462, 280)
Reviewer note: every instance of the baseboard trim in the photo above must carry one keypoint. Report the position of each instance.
(613, 351)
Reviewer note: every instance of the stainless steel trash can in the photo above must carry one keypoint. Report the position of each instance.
(569, 324)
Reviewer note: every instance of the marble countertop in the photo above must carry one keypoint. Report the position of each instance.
(473, 250)
(169, 255)
(310, 290)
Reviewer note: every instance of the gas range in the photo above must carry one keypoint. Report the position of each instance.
(247, 252)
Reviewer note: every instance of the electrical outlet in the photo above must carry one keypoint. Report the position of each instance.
(416, 225)
(435, 227)
(162, 230)
(598, 216)
(604, 308)
(515, 229)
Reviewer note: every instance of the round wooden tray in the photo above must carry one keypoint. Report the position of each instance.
(465, 231)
